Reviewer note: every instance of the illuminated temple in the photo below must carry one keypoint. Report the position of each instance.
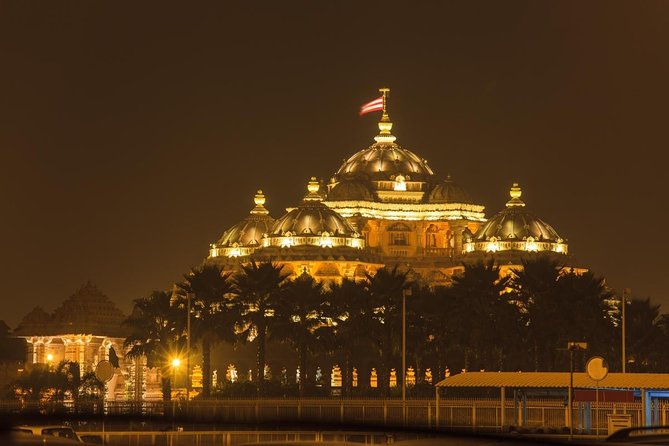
(84, 329)
(386, 206)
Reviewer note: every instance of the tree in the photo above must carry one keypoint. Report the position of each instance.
(643, 335)
(213, 310)
(258, 288)
(385, 290)
(299, 315)
(489, 318)
(154, 333)
(350, 337)
(536, 287)
(564, 306)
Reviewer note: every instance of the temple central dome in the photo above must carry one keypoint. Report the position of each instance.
(385, 159)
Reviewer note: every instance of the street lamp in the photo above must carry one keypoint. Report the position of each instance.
(405, 292)
(176, 362)
(572, 346)
(623, 304)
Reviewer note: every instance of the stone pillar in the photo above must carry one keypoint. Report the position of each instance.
(457, 227)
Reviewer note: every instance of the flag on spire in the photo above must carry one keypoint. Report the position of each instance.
(375, 105)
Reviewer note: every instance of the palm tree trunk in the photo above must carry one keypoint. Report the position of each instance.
(303, 369)
(167, 388)
(206, 368)
(261, 359)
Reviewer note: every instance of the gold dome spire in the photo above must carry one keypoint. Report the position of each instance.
(313, 187)
(385, 125)
(259, 200)
(515, 194)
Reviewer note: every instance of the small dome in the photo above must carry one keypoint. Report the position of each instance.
(249, 231)
(516, 228)
(449, 192)
(350, 190)
(312, 218)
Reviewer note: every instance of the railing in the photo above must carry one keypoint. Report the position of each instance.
(441, 252)
(549, 415)
(233, 438)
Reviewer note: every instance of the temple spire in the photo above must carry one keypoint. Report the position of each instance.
(259, 200)
(515, 194)
(385, 125)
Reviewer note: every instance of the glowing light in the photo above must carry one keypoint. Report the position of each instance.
(492, 246)
(559, 247)
(231, 373)
(234, 252)
(49, 357)
(176, 362)
(326, 240)
(287, 241)
(531, 245)
(400, 183)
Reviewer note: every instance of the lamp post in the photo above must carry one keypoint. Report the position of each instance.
(188, 383)
(405, 292)
(623, 326)
(572, 346)
(176, 362)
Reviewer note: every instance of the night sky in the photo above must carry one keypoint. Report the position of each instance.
(133, 134)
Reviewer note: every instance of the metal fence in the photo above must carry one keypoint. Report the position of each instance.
(549, 415)
(234, 438)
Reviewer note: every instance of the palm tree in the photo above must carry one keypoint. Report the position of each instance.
(644, 335)
(385, 290)
(258, 286)
(154, 333)
(536, 287)
(350, 336)
(213, 311)
(299, 315)
(487, 316)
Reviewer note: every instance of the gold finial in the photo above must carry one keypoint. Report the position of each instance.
(385, 125)
(515, 194)
(313, 187)
(259, 200)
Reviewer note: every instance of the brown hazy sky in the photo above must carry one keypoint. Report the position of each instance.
(133, 134)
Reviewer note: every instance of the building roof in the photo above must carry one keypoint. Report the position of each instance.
(539, 380)
(312, 218)
(88, 311)
(449, 191)
(350, 189)
(250, 230)
(384, 160)
(514, 229)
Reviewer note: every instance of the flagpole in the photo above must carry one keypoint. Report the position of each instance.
(385, 92)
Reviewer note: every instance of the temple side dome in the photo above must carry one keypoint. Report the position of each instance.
(449, 192)
(312, 223)
(350, 190)
(516, 228)
(312, 217)
(245, 236)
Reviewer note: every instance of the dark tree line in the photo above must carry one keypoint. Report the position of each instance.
(483, 321)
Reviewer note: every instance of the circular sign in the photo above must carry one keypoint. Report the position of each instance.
(104, 371)
(597, 368)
